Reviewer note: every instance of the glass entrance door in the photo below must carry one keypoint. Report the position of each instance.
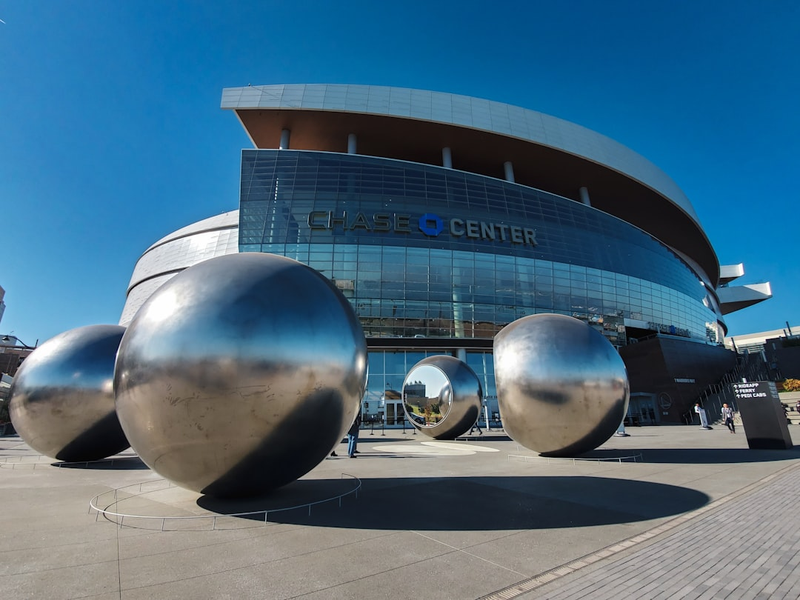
(395, 415)
(642, 409)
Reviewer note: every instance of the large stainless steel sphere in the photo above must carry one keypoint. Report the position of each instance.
(240, 374)
(62, 398)
(562, 388)
(442, 397)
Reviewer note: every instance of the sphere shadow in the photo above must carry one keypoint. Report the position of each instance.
(469, 504)
(694, 456)
(487, 437)
(103, 439)
(294, 496)
(124, 463)
(289, 455)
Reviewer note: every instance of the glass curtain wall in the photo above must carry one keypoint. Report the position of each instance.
(427, 251)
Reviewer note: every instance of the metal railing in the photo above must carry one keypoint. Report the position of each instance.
(113, 497)
(579, 459)
(750, 367)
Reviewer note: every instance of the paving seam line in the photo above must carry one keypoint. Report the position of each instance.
(526, 585)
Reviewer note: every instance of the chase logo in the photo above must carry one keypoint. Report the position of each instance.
(430, 224)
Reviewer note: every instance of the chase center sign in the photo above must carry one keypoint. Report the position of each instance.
(429, 224)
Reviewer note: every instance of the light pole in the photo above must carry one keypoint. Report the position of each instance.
(7, 338)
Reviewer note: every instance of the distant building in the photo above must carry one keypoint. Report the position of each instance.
(756, 342)
(5, 393)
(443, 218)
(779, 348)
(12, 353)
(12, 350)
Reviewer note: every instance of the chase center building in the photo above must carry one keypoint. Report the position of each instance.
(443, 218)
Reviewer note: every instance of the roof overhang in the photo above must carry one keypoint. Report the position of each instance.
(728, 273)
(656, 206)
(738, 297)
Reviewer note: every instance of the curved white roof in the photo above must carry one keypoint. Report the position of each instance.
(226, 220)
(462, 111)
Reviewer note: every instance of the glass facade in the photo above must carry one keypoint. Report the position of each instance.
(388, 369)
(425, 251)
(164, 260)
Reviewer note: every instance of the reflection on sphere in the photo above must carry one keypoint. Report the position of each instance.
(62, 399)
(442, 397)
(240, 374)
(562, 388)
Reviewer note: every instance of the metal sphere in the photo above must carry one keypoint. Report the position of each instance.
(562, 388)
(240, 374)
(62, 398)
(442, 397)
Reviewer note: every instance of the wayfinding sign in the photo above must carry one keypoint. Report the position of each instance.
(763, 417)
(756, 389)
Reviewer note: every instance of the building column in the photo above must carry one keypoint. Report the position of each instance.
(284, 139)
(508, 167)
(351, 143)
(461, 354)
(447, 158)
(585, 196)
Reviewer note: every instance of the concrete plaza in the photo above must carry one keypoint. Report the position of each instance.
(669, 512)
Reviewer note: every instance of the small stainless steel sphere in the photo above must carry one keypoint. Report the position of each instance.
(62, 398)
(442, 397)
(562, 388)
(240, 374)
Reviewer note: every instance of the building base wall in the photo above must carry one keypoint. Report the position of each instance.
(675, 371)
(783, 357)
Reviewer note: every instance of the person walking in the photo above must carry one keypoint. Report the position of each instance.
(702, 413)
(476, 426)
(727, 417)
(352, 436)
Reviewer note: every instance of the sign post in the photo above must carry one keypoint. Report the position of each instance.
(763, 417)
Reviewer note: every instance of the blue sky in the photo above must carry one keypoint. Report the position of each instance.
(111, 135)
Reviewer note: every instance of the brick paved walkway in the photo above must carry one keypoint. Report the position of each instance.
(743, 546)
